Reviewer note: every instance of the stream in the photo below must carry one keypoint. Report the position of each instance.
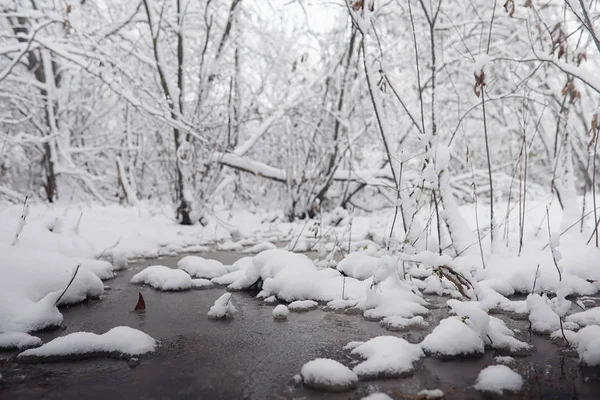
(254, 357)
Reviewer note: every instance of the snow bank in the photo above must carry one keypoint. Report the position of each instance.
(497, 379)
(18, 340)
(280, 312)
(199, 267)
(326, 374)
(431, 394)
(588, 345)
(358, 265)
(163, 278)
(31, 281)
(386, 356)
(122, 339)
(222, 308)
(452, 338)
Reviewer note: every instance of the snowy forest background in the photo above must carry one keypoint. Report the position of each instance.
(300, 104)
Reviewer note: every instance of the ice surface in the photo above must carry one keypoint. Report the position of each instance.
(497, 379)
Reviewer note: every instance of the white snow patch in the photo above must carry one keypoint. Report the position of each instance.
(303, 305)
(497, 379)
(585, 318)
(431, 394)
(377, 396)
(453, 337)
(504, 359)
(401, 324)
(386, 356)
(222, 308)
(199, 267)
(280, 312)
(18, 340)
(588, 345)
(257, 248)
(358, 265)
(122, 339)
(163, 278)
(326, 374)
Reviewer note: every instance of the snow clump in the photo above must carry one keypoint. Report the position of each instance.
(223, 308)
(326, 374)
(122, 339)
(280, 312)
(498, 378)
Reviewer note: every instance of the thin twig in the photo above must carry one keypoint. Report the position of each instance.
(70, 282)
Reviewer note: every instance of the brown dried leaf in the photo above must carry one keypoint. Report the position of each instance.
(141, 304)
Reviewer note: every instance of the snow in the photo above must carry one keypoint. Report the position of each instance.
(327, 374)
(585, 318)
(280, 312)
(290, 276)
(271, 299)
(386, 356)
(504, 359)
(199, 267)
(452, 337)
(19, 340)
(222, 308)
(122, 339)
(497, 379)
(163, 278)
(402, 324)
(303, 305)
(377, 396)
(358, 265)
(428, 394)
(259, 247)
(588, 345)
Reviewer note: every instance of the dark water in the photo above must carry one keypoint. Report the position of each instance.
(254, 357)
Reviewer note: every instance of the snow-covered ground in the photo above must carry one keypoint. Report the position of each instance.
(63, 255)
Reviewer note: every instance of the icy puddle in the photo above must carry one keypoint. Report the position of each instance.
(254, 357)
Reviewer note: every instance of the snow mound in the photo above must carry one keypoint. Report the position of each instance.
(257, 248)
(588, 345)
(431, 394)
(280, 312)
(163, 278)
(358, 265)
(497, 379)
(122, 340)
(543, 318)
(326, 374)
(223, 308)
(201, 283)
(491, 330)
(238, 270)
(386, 356)
(377, 396)
(504, 359)
(452, 338)
(585, 318)
(18, 313)
(392, 297)
(303, 305)
(18, 340)
(270, 299)
(403, 324)
(199, 267)
(290, 276)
